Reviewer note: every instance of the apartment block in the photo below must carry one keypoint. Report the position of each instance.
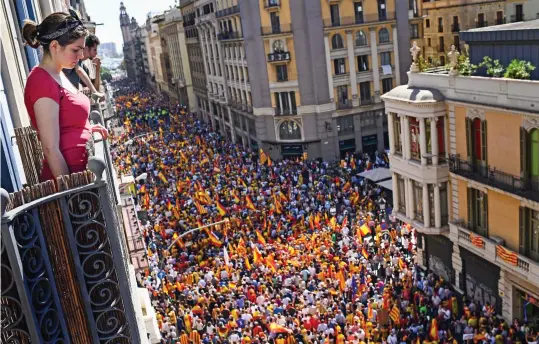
(464, 152)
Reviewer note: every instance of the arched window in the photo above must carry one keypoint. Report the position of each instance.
(289, 130)
(383, 35)
(361, 39)
(336, 42)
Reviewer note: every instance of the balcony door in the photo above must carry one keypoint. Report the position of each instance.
(275, 22)
(335, 18)
(519, 13)
(478, 212)
(342, 94)
(529, 157)
(382, 12)
(476, 139)
(358, 9)
(529, 233)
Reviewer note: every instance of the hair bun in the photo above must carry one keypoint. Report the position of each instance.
(30, 33)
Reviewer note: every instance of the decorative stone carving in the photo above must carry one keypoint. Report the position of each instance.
(530, 122)
(475, 113)
(414, 68)
(453, 60)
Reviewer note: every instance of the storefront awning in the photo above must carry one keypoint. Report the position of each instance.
(377, 174)
(387, 184)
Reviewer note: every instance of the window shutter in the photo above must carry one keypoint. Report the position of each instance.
(523, 153)
(522, 227)
(484, 141)
(470, 208)
(485, 214)
(469, 139)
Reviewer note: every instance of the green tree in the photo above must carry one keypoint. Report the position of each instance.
(519, 69)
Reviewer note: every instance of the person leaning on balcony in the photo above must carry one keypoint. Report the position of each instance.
(58, 111)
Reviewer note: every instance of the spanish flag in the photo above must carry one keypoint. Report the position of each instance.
(249, 203)
(179, 243)
(214, 239)
(365, 230)
(364, 253)
(160, 133)
(241, 182)
(162, 177)
(248, 264)
(276, 328)
(270, 263)
(221, 209)
(200, 208)
(370, 314)
(257, 256)
(142, 189)
(260, 238)
(342, 281)
(269, 162)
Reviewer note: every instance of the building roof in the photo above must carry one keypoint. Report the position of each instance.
(524, 25)
(415, 94)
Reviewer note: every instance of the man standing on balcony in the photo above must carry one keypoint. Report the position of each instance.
(87, 71)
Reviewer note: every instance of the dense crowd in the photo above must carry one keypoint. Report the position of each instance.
(302, 252)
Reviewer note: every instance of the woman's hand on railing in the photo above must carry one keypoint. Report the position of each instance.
(98, 128)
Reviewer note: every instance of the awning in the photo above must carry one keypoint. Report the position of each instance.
(386, 184)
(377, 174)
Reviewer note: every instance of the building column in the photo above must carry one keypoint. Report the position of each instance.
(375, 66)
(446, 140)
(410, 199)
(380, 130)
(437, 210)
(289, 101)
(391, 133)
(395, 185)
(280, 100)
(213, 53)
(396, 54)
(328, 65)
(426, 208)
(422, 141)
(351, 63)
(203, 43)
(405, 124)
(434, 140)
(232, 127)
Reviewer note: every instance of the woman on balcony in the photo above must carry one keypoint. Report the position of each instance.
(59, 111)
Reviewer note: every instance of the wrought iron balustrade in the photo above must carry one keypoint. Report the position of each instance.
(476, 170)
(64, 272)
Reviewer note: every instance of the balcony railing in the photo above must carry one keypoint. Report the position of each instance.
(228, 35)
(366, 101)
(488, 175)
(227, 11)
(276, 29)
(483, 23)
(355, 20)
(486, 248)
(515, 18)
(345, 104)
(455, 27)
(63, 264)
(285, 112)
(272, 3)
(279, 57)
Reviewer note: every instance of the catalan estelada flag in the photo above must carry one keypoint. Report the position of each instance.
(508, 256)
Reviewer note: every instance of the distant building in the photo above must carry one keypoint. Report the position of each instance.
(519, 40)
(108, 49)
(132, 49)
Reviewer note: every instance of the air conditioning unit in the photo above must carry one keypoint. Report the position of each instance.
(497, 240)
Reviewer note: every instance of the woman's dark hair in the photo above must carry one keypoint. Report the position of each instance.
(65, 28)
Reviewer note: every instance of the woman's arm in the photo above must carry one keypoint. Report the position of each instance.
(47, 118)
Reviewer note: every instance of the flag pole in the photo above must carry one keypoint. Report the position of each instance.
(196, 229)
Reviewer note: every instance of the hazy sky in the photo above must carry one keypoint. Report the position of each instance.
(107, 12)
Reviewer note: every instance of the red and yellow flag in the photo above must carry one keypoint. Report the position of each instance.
(508, 256)
(249, 203)
(214, 239)
(221, 209)
(257, 255)
(395, 314)
(162, 177)
(270, 263)
(263, 157)
(260, 238)
(365, 230)
(477, 240)
(433, 333)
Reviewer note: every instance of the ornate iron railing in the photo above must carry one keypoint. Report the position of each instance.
(489, 175)
(64, 274)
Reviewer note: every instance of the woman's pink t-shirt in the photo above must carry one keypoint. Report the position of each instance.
(73, 118)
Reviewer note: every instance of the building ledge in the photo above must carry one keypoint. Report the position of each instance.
(525, 267)
(424, 173)
(418, 225)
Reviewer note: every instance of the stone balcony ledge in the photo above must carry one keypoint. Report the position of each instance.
(419, 226)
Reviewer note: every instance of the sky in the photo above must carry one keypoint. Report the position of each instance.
(107, 12)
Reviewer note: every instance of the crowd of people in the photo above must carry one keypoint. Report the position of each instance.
(292, 251)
